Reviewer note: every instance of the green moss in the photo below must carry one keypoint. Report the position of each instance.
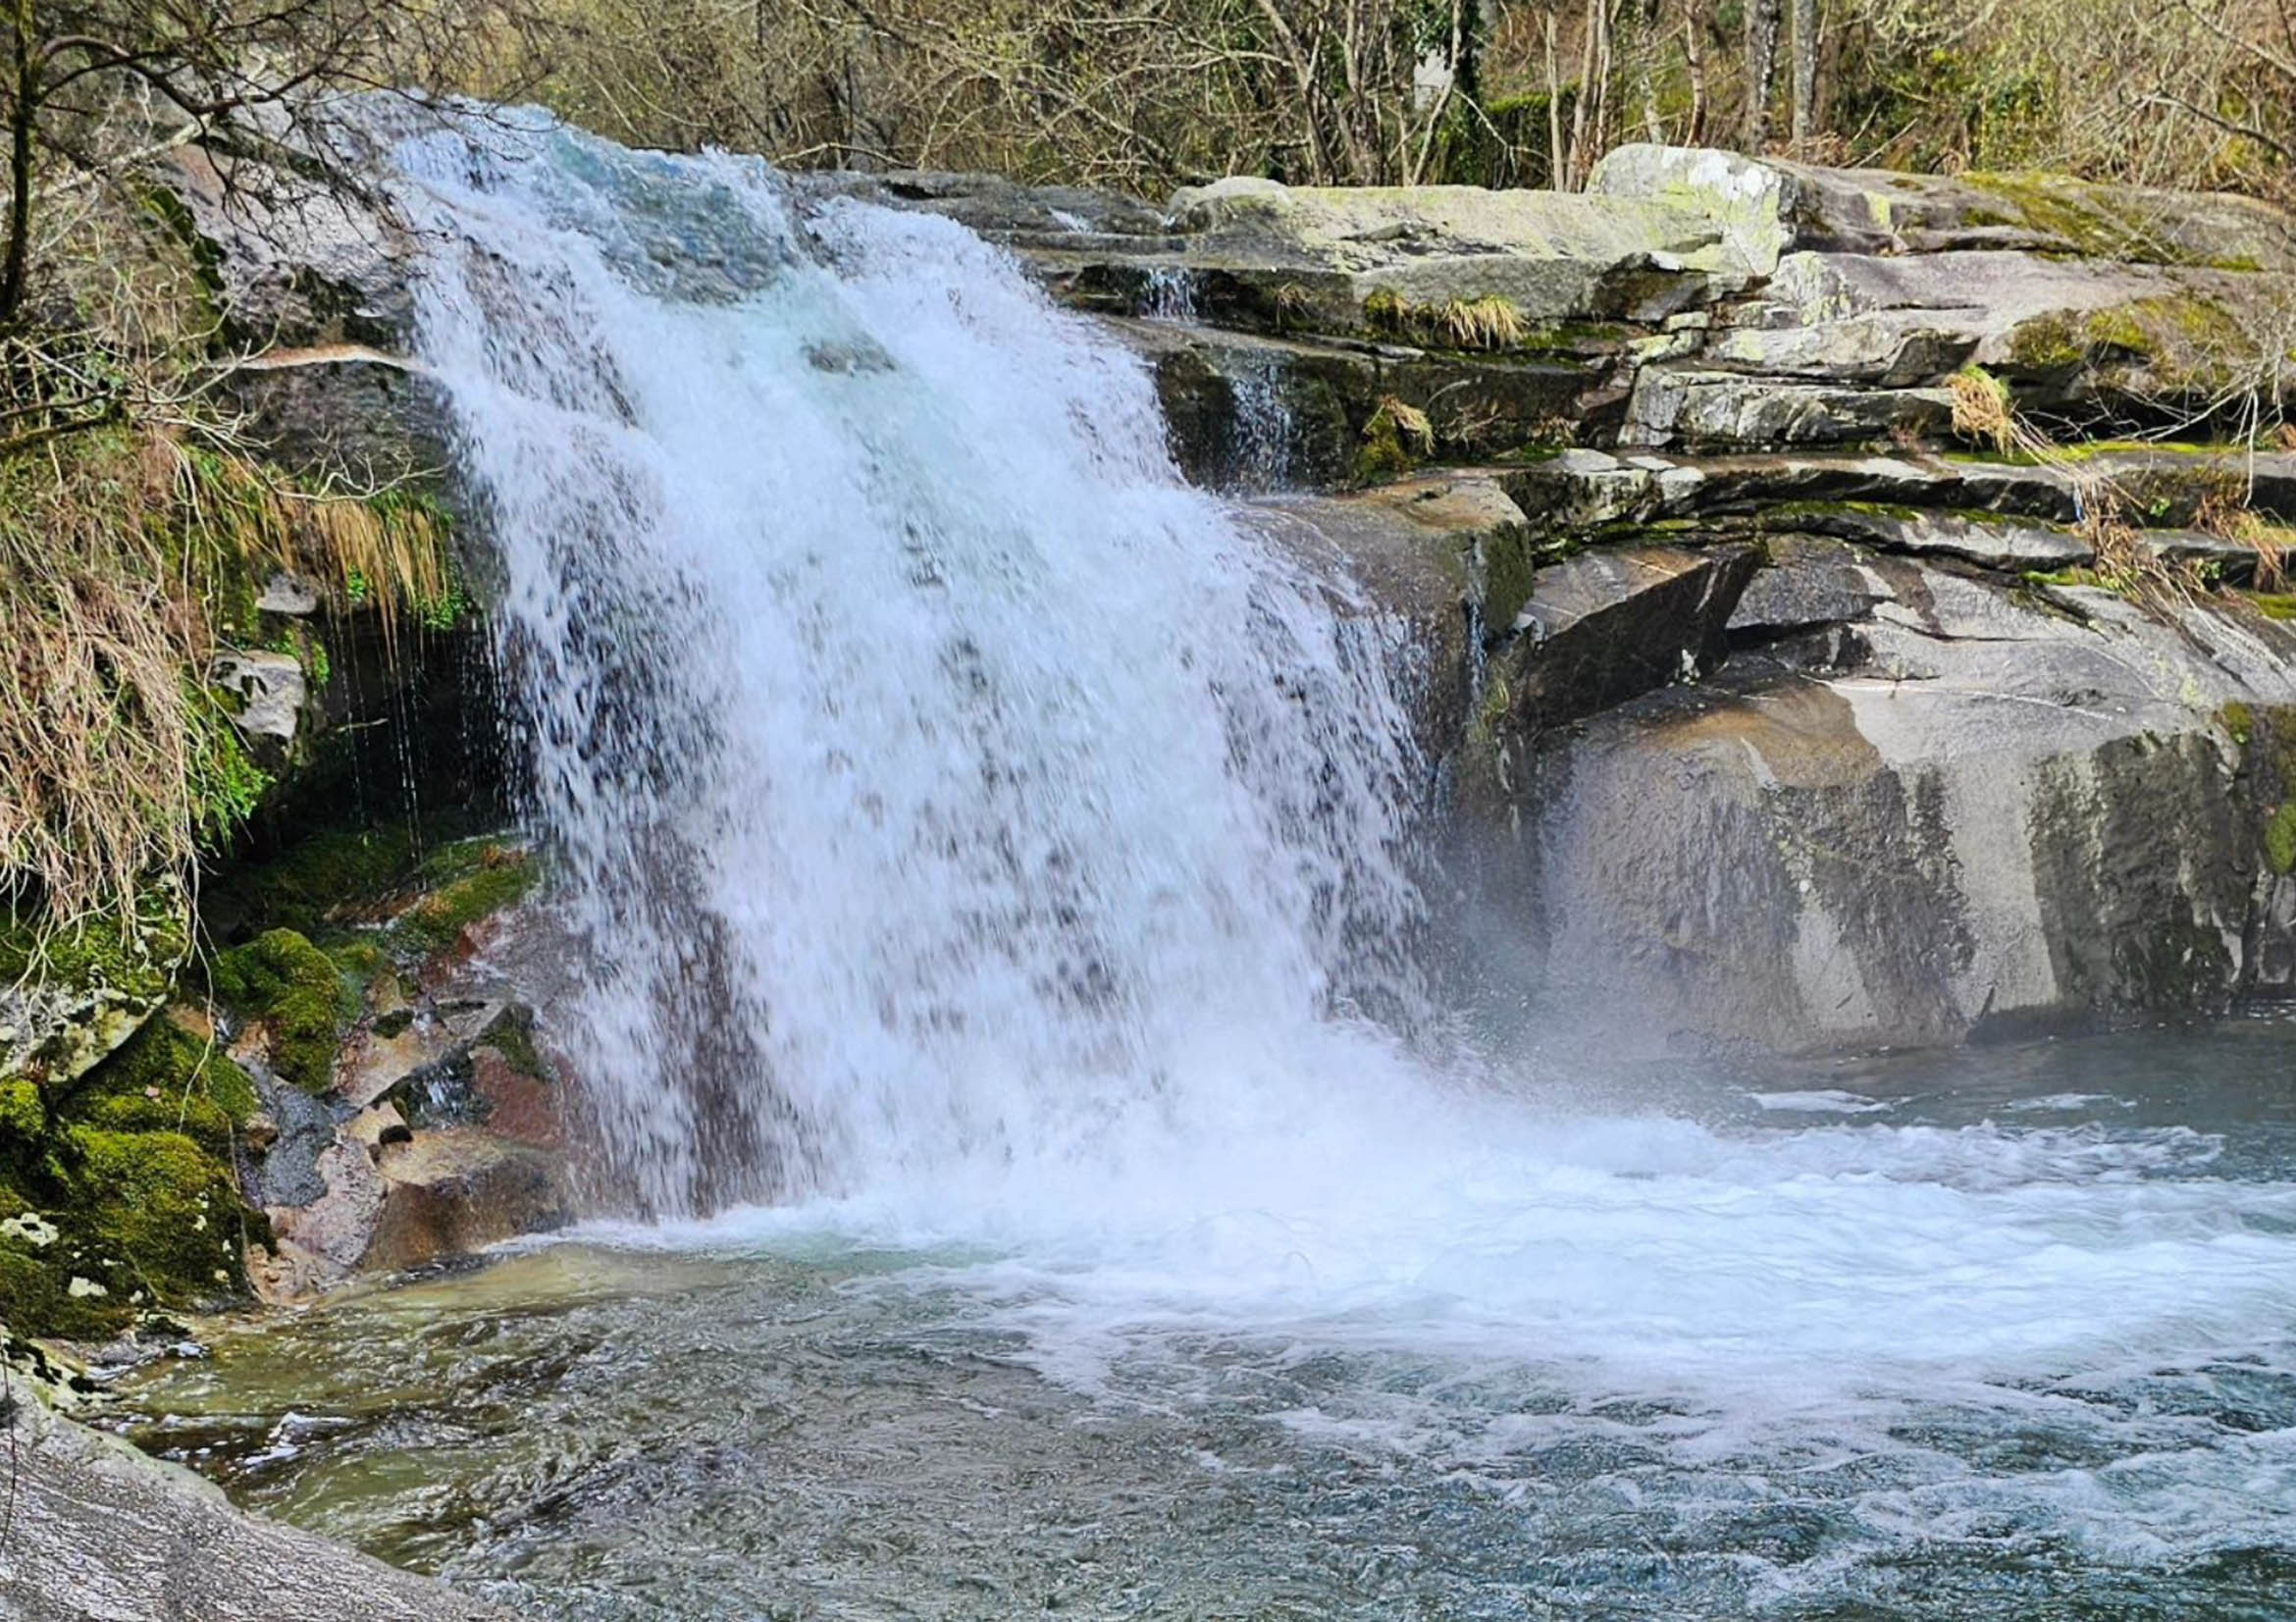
(496, 876)
(169, 1079)
(1786, 514)
(164, 1216)
(2117, 329)
(308, 886)
(110, 1220)
(36, 1298)
(1390, 438)
(1384, 310)
(2047, 343)
(370, 974)
(226, 786)
(2239, 722)
(2079, 215)
(2274, 605)
(24, 1118)
(136, 958)
(2279, 838)
(281, 978)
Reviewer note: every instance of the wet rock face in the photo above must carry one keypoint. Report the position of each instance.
(1918, 800)
(436, 1126)
(303, 1111)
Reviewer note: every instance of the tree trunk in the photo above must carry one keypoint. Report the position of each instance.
(1696, 58)
(1762, 19)
(1805, 65)
(1556, 176)
(23, 115)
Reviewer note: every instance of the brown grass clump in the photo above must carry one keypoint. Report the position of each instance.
(128, 559)
(1410, 423)
(102, 739)
(2227, 514)
(1487, 323)
(2122, 563)
(385, 553)
(1983, 414)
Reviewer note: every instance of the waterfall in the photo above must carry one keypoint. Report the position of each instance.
(932, 779)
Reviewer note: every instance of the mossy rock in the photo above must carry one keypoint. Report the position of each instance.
(481, 878)
(2279, 839)
(281, 978)
(24, 1116)
(115, 1222)
(165, 1215)
(1394, 433)
(117, 1193)
(312, 885)
(171, 1078)
(70, 996)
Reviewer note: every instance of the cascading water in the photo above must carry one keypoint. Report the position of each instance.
(932, 776)
(989, 850)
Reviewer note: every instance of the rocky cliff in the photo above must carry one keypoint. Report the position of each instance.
(1854, 600)
(1855, 597)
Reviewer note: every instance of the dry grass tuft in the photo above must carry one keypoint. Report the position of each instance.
(1412, 425)
(2227, 514)
(101, 734)
(127, 559)
(1487, 323)
(385, 553)
(1984, 415)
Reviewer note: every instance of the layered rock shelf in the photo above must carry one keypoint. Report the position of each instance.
(1846, 612)
(1763, 707)
(1771, 709)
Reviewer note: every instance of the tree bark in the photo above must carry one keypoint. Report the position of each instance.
(1556, 176)
(1763, 26)
(1696, 56)
(1805, 66)
(24, 115)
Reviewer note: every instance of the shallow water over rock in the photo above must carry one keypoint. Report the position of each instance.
(2000, 1334)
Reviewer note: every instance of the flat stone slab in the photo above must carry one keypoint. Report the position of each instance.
(1987, 541)
(1809, 582)
(1703, 408)
(2234, 560)
(1791, 205)
(1549, 253)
